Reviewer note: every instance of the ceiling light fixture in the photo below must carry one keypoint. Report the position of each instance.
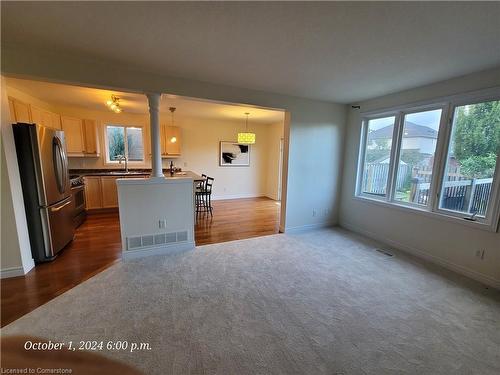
(114, 104)
(172, 110)
(246, 138)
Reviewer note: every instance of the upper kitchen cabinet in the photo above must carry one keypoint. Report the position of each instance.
(20, 111)
(90, 137)
(81, 136)
(45, 118)
(172, 141)
(73, 132)
(163, 139)
(12, 110)
(56, 120)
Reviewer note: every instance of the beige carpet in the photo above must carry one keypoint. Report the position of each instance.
(322, 302)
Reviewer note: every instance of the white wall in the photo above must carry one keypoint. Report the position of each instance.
(15, 251)
(200, 153)
(314, 129)
(450, 244)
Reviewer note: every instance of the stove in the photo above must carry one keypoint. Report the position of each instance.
(76, 180)
(78, 197)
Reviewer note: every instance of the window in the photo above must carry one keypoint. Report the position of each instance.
(124, 141)
(377, 156)
(441, 158)
(416, 156)
(471, 159)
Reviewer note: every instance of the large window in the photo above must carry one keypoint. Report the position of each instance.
(471, 159)
(377, 156)
(124, 141)
(441, 158)
(416, 156)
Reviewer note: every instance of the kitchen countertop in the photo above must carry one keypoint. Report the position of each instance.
(133, 173)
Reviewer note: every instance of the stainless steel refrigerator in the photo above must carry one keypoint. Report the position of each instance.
(43, 167)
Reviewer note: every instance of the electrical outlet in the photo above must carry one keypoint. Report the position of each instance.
(162, 223)
(185, 164)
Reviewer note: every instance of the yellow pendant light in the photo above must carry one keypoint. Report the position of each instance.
(246, 138)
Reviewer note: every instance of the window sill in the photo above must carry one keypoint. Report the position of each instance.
(435, 215)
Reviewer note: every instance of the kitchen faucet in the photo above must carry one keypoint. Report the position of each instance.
(120, 159)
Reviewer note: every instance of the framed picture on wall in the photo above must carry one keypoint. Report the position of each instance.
(234, 154)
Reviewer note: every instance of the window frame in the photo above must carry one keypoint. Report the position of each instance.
(106, 144)
(362, 156)
(447, 105)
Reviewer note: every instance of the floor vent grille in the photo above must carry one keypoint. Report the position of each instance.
(151, 240)
(385, 252)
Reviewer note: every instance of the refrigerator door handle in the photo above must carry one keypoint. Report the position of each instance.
(55, 209)
(60, 166)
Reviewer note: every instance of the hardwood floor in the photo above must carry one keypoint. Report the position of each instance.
(235, 219)
(97, 245)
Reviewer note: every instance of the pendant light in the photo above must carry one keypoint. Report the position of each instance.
(173, 139)
(246, 138)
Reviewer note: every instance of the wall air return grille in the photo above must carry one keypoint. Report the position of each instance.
(154, 240)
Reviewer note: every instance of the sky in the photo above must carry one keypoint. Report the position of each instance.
(428, 118)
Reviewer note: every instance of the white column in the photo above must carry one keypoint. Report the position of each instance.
(154, 119)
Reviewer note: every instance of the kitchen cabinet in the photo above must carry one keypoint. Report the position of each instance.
(81, 136)
(163, 139)
(56, 120)
(93, 195)
(36, 115)
(170, 141)
(45, 118)
(90, 137)
(20, 111)
(109, 192)
(12, 110)
(73, 132)
(102, 192)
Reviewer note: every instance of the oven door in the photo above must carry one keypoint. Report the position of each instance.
(78, 193)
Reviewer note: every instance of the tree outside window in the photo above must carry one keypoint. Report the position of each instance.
(133, 148)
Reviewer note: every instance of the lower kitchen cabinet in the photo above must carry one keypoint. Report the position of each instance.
(101, 191)
(109, 192)
(93, 195)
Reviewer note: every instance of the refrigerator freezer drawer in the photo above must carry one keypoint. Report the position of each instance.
(57, 222)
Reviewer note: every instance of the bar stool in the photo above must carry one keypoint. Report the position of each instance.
(203, 196)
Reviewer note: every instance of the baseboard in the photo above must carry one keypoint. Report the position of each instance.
(307, 227)
(484, 279)
(160, 250)
(11, 272)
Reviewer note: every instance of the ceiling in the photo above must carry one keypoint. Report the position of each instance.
(95, 99)
(336, 51)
